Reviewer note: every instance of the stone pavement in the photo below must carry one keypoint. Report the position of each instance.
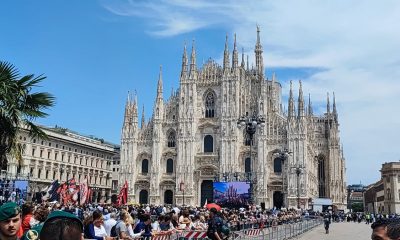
(345, 230)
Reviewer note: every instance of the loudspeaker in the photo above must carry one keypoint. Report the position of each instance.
(263, 206)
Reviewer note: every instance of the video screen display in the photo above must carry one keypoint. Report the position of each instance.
(231, 194)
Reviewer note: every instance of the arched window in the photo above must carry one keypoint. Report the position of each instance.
(208, 143)
(210, 105)
(171, 139)
(247, 165)
(170, 165)
(168, 197)
(145, 166)
(143, 197)
(277, 165)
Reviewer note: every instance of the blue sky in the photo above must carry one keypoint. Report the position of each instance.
(94, 52)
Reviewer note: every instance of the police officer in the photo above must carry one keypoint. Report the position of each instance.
(10, 221)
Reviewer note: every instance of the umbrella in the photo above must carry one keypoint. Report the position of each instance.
(213, 205)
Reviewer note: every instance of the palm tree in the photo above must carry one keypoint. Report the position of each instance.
(19, 107)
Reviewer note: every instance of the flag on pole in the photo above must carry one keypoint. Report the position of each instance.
(83, 192)
(123, 194)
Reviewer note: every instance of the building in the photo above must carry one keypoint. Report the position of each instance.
(390, 176)
(374, 197)
(384, 196)
(64, 155)
(115, 171)
(192, 138)
(355, 194)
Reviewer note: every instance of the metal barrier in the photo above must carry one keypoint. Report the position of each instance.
(279, 232)
(257, 230)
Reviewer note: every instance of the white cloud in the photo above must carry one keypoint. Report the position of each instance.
(356, 41)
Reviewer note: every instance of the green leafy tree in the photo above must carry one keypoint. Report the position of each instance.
(357, 207)
(20, 106)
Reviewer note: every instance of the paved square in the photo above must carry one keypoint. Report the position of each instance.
(353, 231)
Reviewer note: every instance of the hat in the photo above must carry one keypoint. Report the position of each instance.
(9, 210)
(62, 214)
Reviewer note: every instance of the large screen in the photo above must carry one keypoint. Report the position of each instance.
(231, 194)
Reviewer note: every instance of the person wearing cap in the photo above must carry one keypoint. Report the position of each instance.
(61, 225)
(10, 221)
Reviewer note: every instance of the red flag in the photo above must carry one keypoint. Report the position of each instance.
(123, 194)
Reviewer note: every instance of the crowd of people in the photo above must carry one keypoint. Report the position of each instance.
(54, 221)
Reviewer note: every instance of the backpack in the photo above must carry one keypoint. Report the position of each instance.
(113, 232)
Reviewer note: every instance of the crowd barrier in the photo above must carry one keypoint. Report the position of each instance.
(258, 230)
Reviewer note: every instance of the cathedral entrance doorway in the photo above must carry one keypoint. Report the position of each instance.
(168, 197)
(206, 192)
(144, 197)
(278, 199)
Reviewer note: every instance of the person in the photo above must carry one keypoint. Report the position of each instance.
(213, 225)
(144, 224)
(94, 228)
(10, 221)
(327, 222)
(109, 223)
(122, 226)
(61, 225)
(27, 213)
(39, 216)
(379, 231)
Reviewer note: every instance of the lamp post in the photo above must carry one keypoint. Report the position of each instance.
(182, 188)
(298, 170)
(283, 155)
(250, 124)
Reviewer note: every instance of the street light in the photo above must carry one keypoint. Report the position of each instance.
(283, 155)
(250, 124)
(298, 170)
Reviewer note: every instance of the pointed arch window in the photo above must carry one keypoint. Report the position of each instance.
(247, 165)
(210, 105)
(208, 143)
(145, 166)
(170, 166)
(171, 139)
(278, 165)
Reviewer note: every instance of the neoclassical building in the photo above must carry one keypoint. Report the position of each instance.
(192, 138)
(64, 155)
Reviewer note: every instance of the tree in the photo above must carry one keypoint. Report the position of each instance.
(19, 108)
(357, 207)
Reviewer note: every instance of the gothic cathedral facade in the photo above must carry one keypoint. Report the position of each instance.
(193, 139)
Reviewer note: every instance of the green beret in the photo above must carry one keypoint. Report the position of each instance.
(62, 214)
(8, 210)
(33, 233)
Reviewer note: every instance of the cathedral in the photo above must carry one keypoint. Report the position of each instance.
(194, 139)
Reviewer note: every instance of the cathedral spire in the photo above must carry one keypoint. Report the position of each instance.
(134, 109)
(291, 103)
(242, 64)
(160, 84)
(127, 114)
(226, 55)
(328, 105)
(184, 63)
(247, 62)
(235, 59)
(193, 68)
(335, 115)
(143, 118)
(273, 79)
(301, 101)
(258, 52)
(310, 110)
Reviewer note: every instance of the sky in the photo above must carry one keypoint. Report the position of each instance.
(94, 52)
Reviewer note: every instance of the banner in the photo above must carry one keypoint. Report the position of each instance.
(69, 192)
(123, 194)
(84, 192)
(51, 193)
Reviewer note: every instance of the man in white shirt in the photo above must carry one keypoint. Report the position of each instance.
(109, 223)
